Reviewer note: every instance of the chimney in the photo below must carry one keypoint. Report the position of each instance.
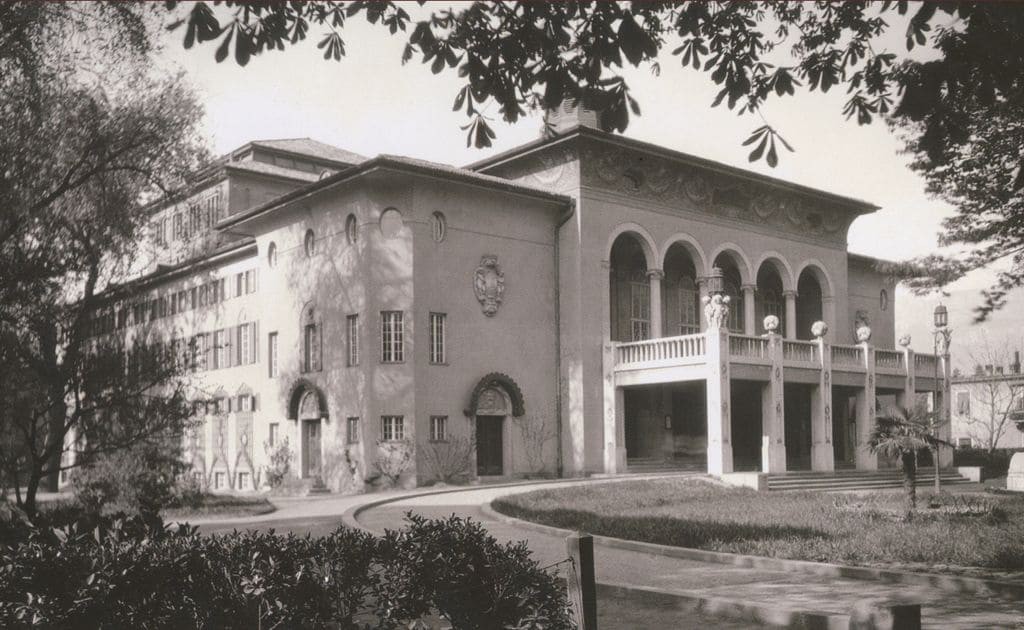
(567, 115)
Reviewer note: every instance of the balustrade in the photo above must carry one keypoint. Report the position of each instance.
(847, 356)
(889, 360)
(662, 349)
(748, 347)
(800, 351)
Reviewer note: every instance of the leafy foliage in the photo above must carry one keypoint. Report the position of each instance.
(901, 432)
(135, 573)
(394, 459)
(279, 462)
(960, 108)
(139, 480)
(450, 460)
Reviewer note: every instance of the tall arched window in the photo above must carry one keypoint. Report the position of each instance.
(732, 289)
(689, 306)
(640, 306)
(312, 340)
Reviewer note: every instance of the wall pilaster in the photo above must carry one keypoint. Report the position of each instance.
(614, 415)
(790, 297)
(718, 407)
(654, 276)
(749, 311)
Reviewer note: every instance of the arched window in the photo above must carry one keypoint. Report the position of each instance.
(640, 306)
(391, 223)
(351, 229)
(310, 243)
(732, 289)
(438, 226)
(689, 306)
(272, 255)
(312, 340)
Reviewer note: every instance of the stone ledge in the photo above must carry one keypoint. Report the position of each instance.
(949, 583)
(755, 480)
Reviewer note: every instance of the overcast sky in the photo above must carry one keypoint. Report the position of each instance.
(371, 104)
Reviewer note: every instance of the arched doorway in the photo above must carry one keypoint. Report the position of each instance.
(630, 290)
(769, 299)
(495, 397)
(808, 303)
(680, 296)
(307, 405)
(733, 283)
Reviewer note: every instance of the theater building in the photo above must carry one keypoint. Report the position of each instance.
(562, 305)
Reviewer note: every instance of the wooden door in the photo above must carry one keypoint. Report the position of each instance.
(489, 445)
(311, 448)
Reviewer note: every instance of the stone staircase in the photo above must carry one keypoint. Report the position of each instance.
(646, 465)
(859, 479)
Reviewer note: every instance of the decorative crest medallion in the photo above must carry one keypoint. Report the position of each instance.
(489, 284)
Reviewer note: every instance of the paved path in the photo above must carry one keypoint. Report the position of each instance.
(940, 609)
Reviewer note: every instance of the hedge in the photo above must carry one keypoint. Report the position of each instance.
(132, 573)
(994, 464)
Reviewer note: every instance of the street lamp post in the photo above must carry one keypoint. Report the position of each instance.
(941, 336)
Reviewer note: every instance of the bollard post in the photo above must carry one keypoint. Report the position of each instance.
(584, 592)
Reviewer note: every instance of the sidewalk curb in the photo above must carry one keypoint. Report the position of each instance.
(948, 583)
(350, 517)
(688, 602)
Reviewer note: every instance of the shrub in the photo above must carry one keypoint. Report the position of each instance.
(993, 465)
(394, 458)
(280, 457)
(449, 461)
(140, 480)
(132, 572)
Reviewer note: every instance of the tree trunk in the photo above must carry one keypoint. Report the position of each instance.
(935, 462)
(909, 460)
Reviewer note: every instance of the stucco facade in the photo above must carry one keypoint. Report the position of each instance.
(545, 303)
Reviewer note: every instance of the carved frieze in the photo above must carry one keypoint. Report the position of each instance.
(691, 188)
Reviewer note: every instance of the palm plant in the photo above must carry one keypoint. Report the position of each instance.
(900, 433)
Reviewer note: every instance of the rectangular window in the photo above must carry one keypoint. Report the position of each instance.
(437, 326)
(689, 311)
(438, 428)
(244, 402)
(392, 336)
(201, 356)
(392, 428)
(222, 350)
(311, 348)
(250, 281)
(352, 338)
(244, 345)
(640, 309)
(963, 442)
(272, 436)
(195, 219)
(243, 481)
(202, 295)
(272, 355)
(963, 403)
(352, 430)
(239, 284)
(218, 480)
(179, 226)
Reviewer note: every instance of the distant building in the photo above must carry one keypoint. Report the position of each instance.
(546, 301)
(988, 405)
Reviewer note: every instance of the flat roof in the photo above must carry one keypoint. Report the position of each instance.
(403, 164)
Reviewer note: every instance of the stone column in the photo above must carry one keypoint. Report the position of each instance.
(614, 415)
(718, 407)
(790, 297)
(828, 311)
(906, 397)
(702, 290)
(866, 460)
(749, 312)
(946, 412)
(606, 292)
(773, 406)
(822, 453)
(655, 276)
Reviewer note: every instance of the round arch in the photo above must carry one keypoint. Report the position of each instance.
(815, 267)
(500, 381)
(298, 391)
(643, 237)
(781, 265)
(700, 261)
(739, 257)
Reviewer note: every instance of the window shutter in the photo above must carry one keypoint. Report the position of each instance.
(255, 401)
(229, 347)
(254, 342)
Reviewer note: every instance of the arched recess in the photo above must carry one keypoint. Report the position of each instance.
(683, 268)
(782, 266)
(629, 289)
(769, 297)
(642, 236)
(736, 272)
(297, 393)
(812, 287)
(693, 248)
(500, 381)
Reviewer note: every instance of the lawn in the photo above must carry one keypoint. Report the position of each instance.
(225, 505)
(978, 534)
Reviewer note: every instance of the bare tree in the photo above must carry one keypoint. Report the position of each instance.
(450, 460)
(535, 432)
(993, 397)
